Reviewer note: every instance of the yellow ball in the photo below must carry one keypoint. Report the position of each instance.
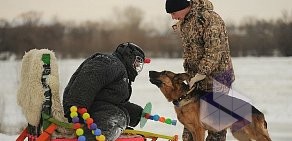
(73, 114)
(79, 132)
(100, 138)
(85, 116)
(73, 109)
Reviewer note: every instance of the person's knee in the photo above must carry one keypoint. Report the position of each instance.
(111, 121)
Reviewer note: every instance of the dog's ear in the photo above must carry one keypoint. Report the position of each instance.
(182, 77)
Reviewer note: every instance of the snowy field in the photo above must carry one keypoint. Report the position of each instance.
(267, 82)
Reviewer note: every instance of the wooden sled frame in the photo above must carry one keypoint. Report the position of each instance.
(54, 123)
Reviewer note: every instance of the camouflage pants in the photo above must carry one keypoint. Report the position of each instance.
(212, 136)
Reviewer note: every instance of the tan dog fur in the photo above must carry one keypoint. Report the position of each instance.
(173, 87)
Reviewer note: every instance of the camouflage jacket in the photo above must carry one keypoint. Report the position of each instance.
(205, 45)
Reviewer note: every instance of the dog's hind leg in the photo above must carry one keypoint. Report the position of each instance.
(261, 129)
(240, 135)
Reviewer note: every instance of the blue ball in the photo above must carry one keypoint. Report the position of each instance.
(156, 117)
(151, 117)
(75, 120)
(173, 122)
(97, 132)
(93, 126)
(81, 138)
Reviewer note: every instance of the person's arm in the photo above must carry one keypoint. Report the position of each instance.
(135, 112)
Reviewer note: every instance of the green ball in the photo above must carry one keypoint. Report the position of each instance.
(168, 121)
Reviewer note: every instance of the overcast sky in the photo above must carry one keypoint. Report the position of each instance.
(82, 10)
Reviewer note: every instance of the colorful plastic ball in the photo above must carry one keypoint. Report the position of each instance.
(147, 116)
(100, 138)
(79, 132)
(85, 116)
(73, 109)
(75, 119)
(147, 60)
(173, 122)
(81, 111)
(76, 125)
(96, 132)
(168, 121)
(151, 117)
(93, 126)
(81, 138)
(73, 114)
(156, 117)
(89, 121)
(162, 119)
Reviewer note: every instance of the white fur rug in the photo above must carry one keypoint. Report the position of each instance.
(30, 95)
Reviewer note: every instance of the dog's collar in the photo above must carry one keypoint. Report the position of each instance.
(185, 99)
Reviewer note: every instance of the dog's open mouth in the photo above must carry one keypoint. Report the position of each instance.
(153, 75)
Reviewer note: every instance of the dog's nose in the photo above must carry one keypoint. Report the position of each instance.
(153, 74)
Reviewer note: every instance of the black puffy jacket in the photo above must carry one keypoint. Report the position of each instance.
(101, 79)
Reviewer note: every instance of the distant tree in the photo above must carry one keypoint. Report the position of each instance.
(283, 34)
(30, 18)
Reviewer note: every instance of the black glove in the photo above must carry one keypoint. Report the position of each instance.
(135, 112)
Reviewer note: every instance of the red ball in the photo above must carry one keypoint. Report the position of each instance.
(81, 111)
(147, 116)
(147, 60)
(76, 125)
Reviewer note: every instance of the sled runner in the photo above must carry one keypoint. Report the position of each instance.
(150, 135)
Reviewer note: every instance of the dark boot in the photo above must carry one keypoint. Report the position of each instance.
(187, 135)
(216, 136)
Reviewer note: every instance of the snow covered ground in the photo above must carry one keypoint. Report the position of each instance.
(266, 81)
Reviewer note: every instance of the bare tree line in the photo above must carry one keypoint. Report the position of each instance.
(251, 38)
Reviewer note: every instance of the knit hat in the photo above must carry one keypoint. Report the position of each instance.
(176, 5)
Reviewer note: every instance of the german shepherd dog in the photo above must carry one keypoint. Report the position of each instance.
(187, 108)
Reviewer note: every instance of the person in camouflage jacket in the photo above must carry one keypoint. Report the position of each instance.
(206, 50)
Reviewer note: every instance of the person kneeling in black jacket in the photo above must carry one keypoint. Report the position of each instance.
(102, 85)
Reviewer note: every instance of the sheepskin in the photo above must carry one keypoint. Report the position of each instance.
(30, 95)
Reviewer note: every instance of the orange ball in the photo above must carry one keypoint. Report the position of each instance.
(162, 119)
(89, 121)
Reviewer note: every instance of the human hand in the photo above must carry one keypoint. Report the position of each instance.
(196, 78)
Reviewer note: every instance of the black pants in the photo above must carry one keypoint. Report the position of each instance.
(110, 119)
